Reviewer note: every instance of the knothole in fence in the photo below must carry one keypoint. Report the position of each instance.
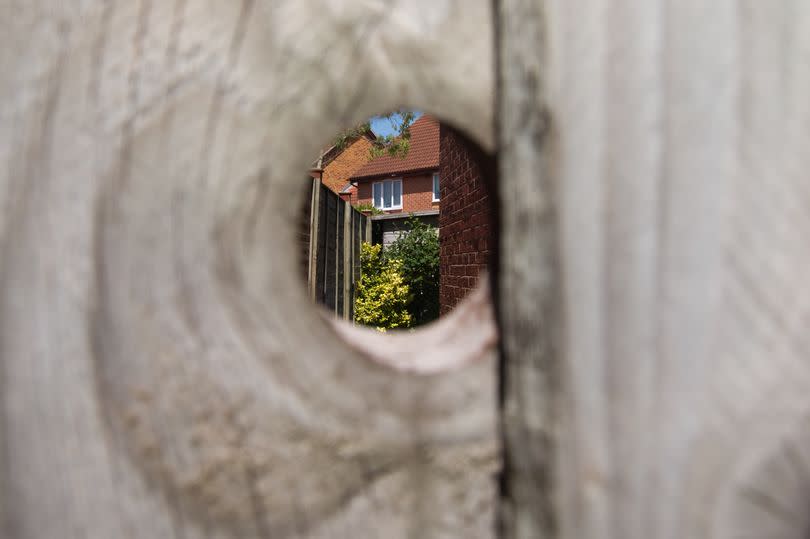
(397, 234)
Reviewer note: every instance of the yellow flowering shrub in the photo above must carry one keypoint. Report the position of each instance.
(382, 295)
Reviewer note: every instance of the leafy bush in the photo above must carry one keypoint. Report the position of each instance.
(342, 140)
(397, 144)
(418, 253)
(382, 295)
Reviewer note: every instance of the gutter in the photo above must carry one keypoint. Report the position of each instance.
(404, 215)
(397, 174)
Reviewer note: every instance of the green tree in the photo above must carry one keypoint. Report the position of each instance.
(418, 253)
(397, 144)
(382, 295)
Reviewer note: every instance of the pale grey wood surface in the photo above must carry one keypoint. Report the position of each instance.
(679, 158)
(163, 373)
(528, 280)
(314, 216)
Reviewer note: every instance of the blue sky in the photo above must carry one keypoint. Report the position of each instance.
(382, 126)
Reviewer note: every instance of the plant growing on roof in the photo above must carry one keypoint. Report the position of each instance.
(396, 144)
(343, 139)
(368, 207)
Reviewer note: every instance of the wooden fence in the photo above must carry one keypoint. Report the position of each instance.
(330, 238)
(647, 375)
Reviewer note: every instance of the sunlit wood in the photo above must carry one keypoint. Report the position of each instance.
(163, 373)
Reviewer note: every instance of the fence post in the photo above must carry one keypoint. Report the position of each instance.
(314, 215)
(528, 277)
(348, 259)
(338, 226)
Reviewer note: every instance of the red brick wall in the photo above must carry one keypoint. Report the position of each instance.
(340, 169)
(464, 222)
(417, 193)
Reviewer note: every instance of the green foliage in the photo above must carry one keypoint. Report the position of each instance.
(418, 253)
(395, 145)
(382, 295)
(399, 143)
(369, 207)
(343, 139)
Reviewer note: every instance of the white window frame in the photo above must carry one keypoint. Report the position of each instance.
(436, 187)
(382, 183)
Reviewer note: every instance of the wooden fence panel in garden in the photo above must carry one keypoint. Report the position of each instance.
(331, 246)
(164, 374)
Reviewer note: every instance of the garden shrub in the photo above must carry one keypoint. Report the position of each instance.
(418, 253)
(382, 295)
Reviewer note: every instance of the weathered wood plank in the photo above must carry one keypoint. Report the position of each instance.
(348, 259)
(163, 372)
(528, 274)
(677, 163)
(314, 226)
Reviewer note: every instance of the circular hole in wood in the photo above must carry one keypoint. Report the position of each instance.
(397, 235)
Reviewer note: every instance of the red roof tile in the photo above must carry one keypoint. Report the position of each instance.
(423, 152)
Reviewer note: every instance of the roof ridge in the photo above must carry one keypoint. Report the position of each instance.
(423, 152)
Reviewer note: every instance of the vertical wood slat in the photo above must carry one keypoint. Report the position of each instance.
(672, 401)
(330, 258)
(323, 253)
(527, 275)
(339, 254)
(314, 226)
(336, 234)
(357, 241)
(348, 215)
(149, 146)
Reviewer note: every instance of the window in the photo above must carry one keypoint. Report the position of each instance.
(387, 194)
(436, 193)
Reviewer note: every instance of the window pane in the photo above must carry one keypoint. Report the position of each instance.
(387, 193)
(435, 187)
(377, 187)
(398, 193)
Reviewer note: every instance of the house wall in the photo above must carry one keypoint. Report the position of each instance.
(417, 193)
(350, 195)
(464, 221)
(340, 169)
(387, 231)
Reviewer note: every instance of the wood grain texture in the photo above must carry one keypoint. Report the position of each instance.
(679, 154)
(164, 376)
(163, 373)
(528, 277)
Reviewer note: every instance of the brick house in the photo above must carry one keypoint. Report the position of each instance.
(402, 186)
(442, 181)
(336, 165)
(333, 168)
